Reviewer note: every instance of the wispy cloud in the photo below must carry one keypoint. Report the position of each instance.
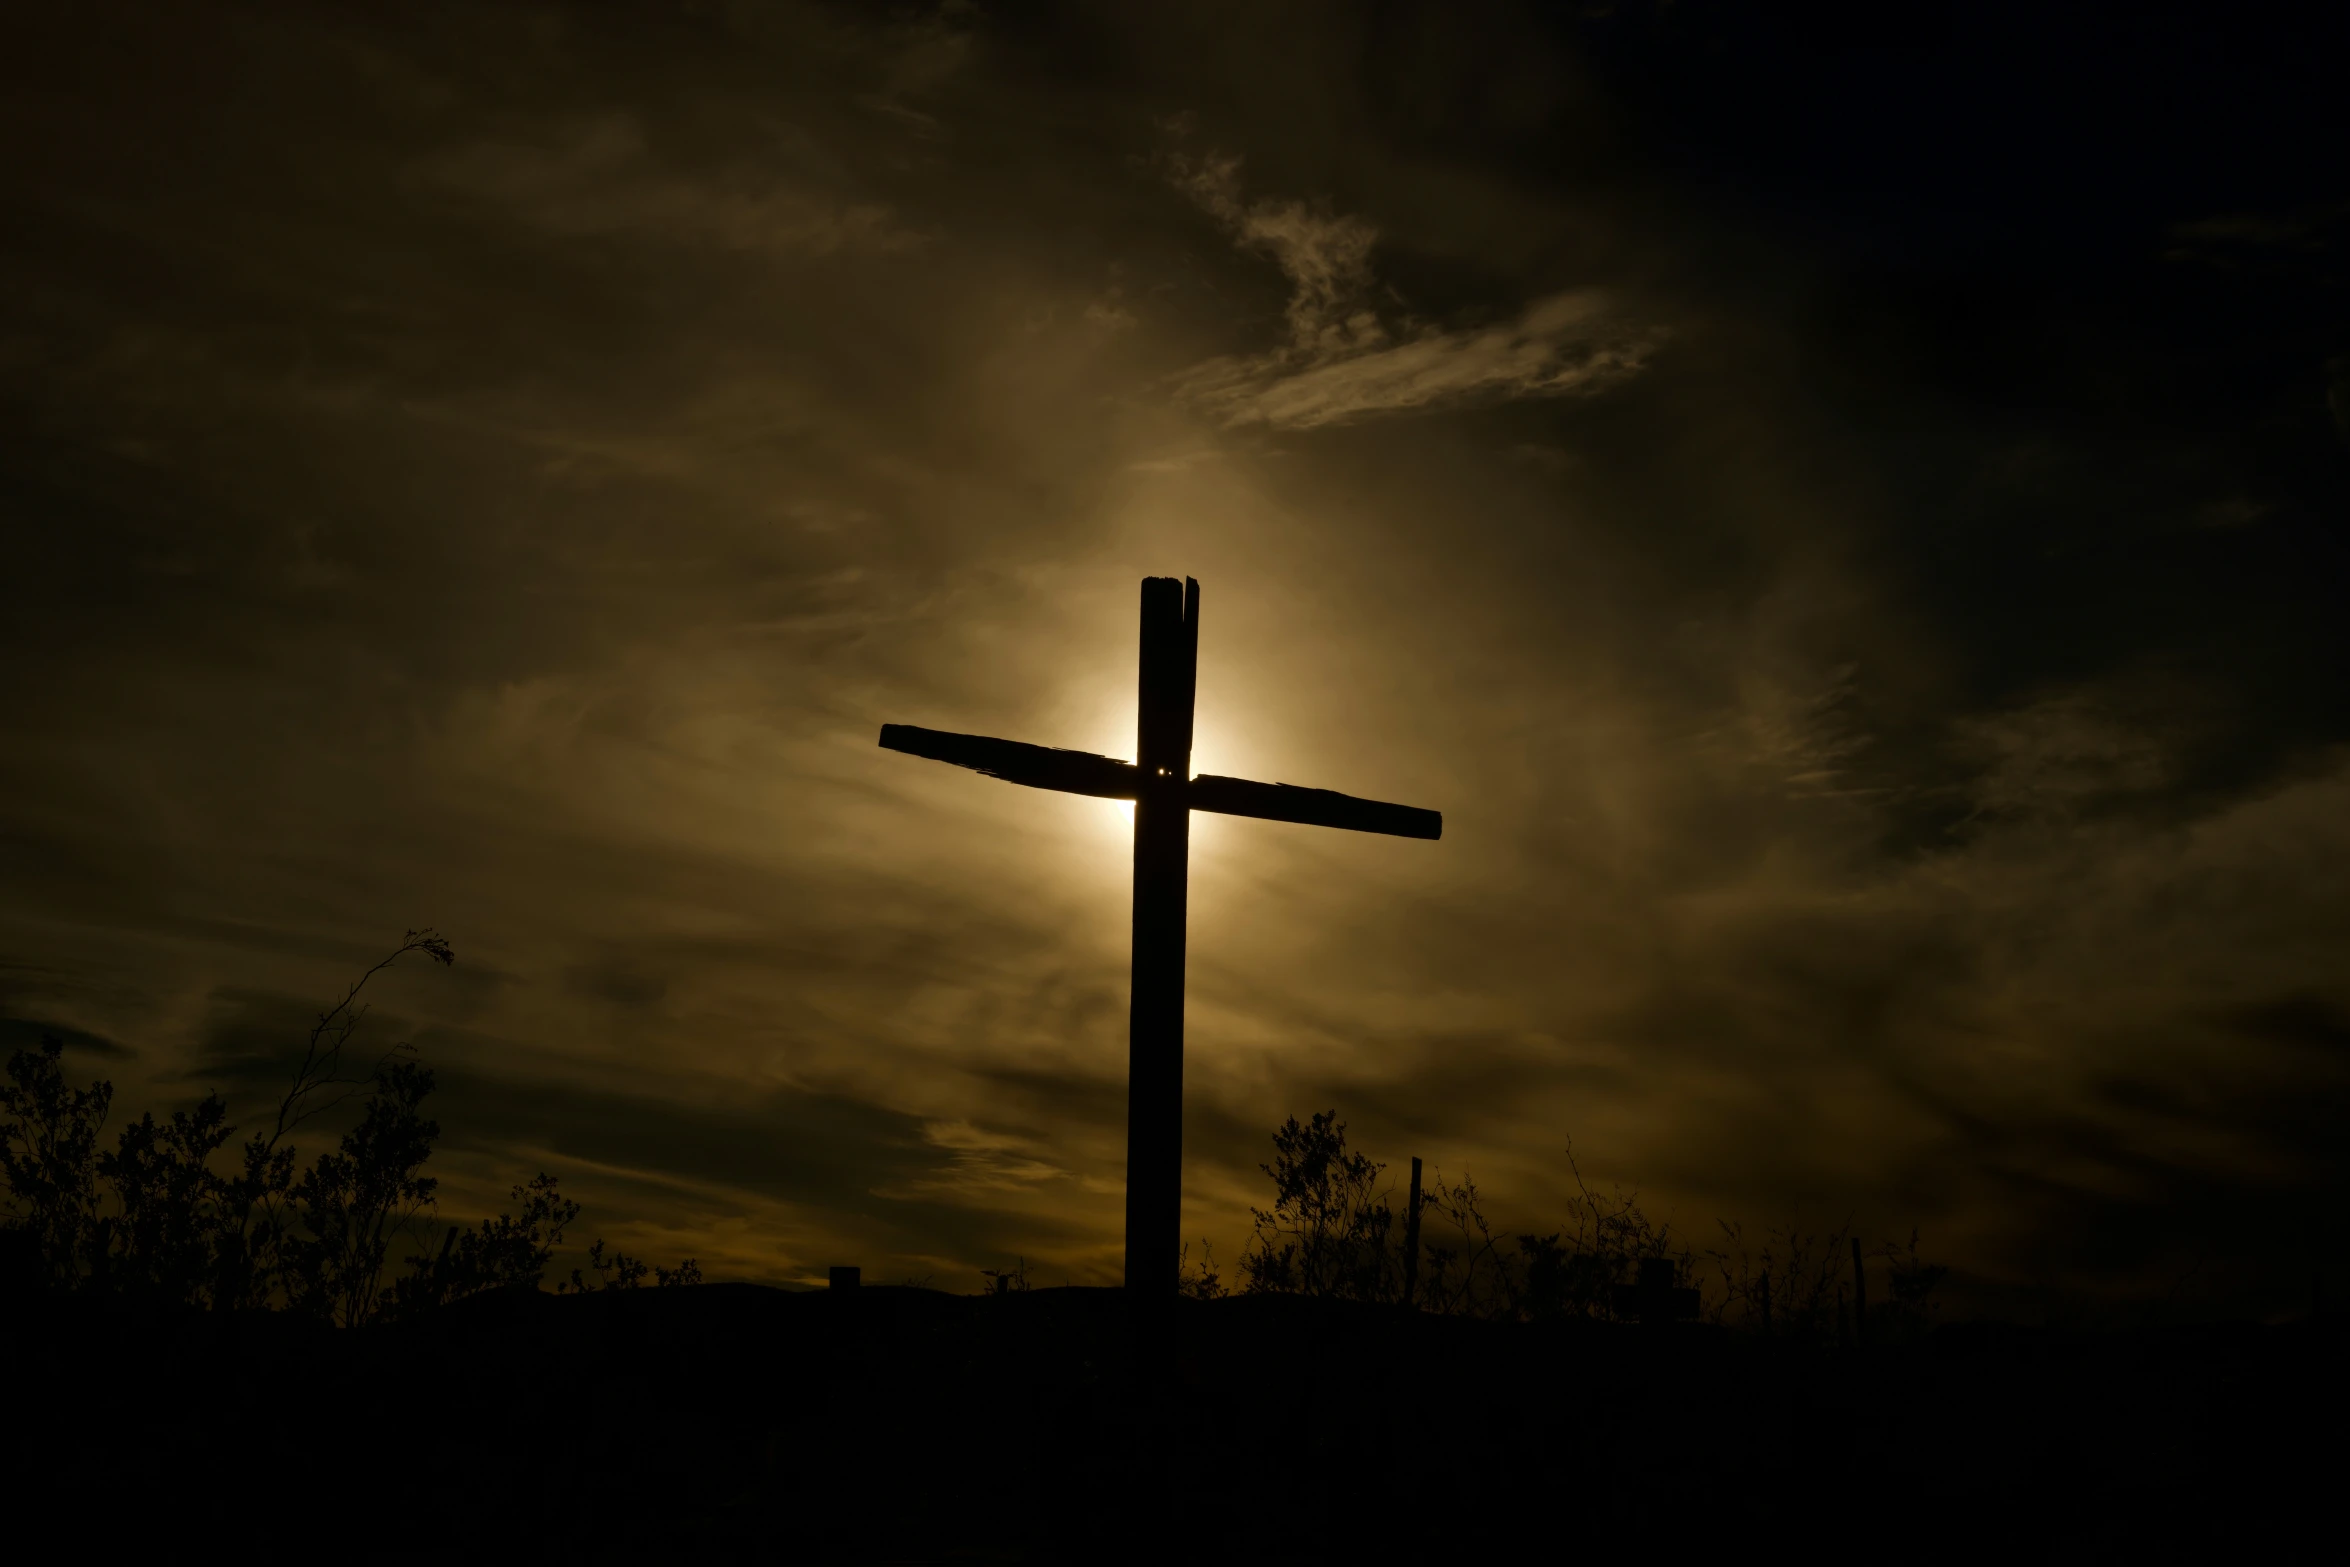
(2059, 756)
(983, 1166)
(599, 177)
(1343, 360)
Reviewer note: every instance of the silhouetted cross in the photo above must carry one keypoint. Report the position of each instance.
(1164, 793)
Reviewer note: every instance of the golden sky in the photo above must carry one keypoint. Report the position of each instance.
(1849, 531)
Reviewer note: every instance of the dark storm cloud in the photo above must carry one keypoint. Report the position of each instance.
(1847, 524)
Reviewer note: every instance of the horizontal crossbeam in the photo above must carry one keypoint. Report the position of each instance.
(1313, 807)
(1107, 778)
(1037, 766)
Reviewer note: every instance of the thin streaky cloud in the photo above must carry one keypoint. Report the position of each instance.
(598, 177)
(1342, 361)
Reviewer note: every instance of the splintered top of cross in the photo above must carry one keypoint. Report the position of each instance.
(1166, 685)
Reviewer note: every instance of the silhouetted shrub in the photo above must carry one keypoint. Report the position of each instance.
(353, 1201)
(1797, 1285)
(1006, 1281)
(173, 1209)
(620, 1271)
(1326, 1234)
(1910, 1311)
(1332, 1232)
(1573, 1272)
(1200, 1280)
(152, 1219)
(49, 1153)
(1791, 1285)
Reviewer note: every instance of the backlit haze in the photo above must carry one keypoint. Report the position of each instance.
(1848, 529)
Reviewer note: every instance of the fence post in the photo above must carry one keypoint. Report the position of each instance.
(1411, 1239)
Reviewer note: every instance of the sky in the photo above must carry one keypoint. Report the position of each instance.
(1848, 525)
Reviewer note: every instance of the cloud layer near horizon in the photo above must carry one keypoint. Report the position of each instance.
(1878, 660)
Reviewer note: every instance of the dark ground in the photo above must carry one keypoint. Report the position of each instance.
(736, 1422)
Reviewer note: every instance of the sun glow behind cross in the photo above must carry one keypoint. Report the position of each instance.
(1213, 750)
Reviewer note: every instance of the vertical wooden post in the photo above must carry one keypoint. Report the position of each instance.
(1411, 1239)
(1860, 1298)
(1167, 683)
